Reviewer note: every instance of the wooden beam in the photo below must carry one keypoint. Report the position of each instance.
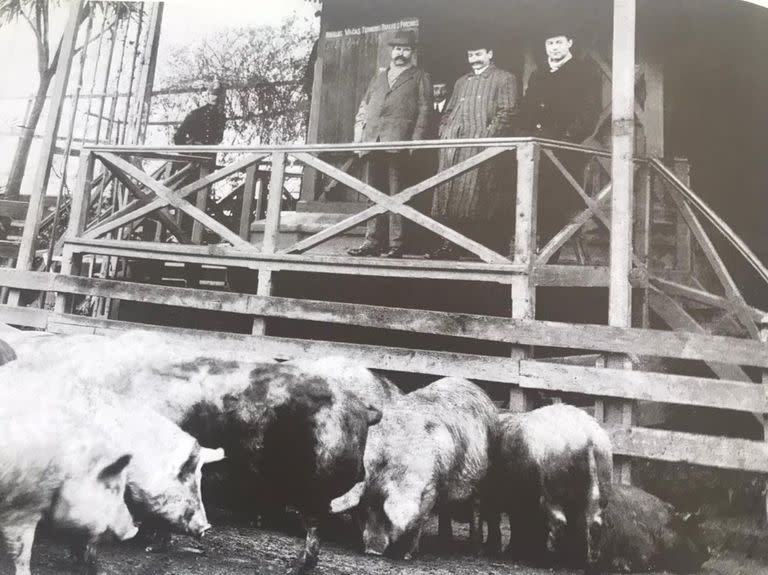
(246, 206)
(678, 319)
(44, 161)
(678, 447)
(645, 386)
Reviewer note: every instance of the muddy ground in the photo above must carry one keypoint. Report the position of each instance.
(239, 549)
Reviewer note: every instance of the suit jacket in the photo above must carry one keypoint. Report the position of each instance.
(402, 112)
(203, 125)
(562, 105)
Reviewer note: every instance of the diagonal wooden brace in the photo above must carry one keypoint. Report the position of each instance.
(175, 199)
(397, 202)
(183, 192)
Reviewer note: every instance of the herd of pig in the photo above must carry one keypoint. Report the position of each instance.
(99, 433)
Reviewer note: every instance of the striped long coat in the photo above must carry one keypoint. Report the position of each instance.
(481, 106)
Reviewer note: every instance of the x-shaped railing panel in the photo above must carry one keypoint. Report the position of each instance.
(397, 204)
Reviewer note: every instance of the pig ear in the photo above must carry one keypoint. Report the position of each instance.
(349, 500)
(189, 467)
(211, 455)
(374, 415)
(112, 471)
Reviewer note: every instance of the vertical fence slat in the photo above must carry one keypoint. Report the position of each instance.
(246, 206)
(523, 290)
(271, 231)
(764, 339)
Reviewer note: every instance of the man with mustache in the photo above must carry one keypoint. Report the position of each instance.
(483, 105)
(397, 106)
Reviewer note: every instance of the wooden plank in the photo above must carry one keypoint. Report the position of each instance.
(27, 280)
(9, 249)
(44, 161)
(637, 385)
(591, 204)
(175, 199)
(763, 324)
(26, 316)
(571, 276)
(483, 368)
(394, 204)
(642, 238)
(678, 447)
(404, 196)
(523, 288)
(16, 210)
(490, 328)
(201, 201)
(678, 319)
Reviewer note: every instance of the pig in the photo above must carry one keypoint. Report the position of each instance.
(296, 434)
(55, 465)
(429, 453)
(552, 473)
(644, 533)
(164, 480)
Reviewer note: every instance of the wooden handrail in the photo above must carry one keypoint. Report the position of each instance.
(360, 147)
(690, 197)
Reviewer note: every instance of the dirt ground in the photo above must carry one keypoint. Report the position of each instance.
(232, 549)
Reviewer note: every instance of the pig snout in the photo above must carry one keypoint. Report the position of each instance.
(124, 528)
(198, 525)
(375, 543)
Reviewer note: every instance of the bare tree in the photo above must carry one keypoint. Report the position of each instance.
(263, 70)
(37, 14)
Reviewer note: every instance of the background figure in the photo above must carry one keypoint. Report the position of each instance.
(204, 125)
(397, 106)
(562, 103)
(483, 105)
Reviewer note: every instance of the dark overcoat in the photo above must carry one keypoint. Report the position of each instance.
(203, 125)
(400, 112)
(481, 106)
(562, 105)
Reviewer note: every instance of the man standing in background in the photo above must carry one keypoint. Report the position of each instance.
(397, 106)
(483, 105)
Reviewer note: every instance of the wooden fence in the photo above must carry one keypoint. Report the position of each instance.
(527, 266)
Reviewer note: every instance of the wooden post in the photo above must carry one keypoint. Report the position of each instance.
(523, 290)
(81, 199)
(622, 177)
(48, 145)
(147, 79)
(246, 207)
(271, 232)
(642, 234)
(201, 201)
(683, 244)
(764, 338)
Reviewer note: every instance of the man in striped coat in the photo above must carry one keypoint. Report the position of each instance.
(483, 105)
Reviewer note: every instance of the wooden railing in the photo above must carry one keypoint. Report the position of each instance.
(525, 374)
(528, 266)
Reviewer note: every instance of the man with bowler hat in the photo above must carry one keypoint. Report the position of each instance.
(397, 106)
(562, 102)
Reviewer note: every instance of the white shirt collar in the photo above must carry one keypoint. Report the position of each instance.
(555, 65)
(478, 72)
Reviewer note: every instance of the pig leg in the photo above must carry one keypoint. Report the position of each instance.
(444, 527)
(85, 553)
(475, 527)
(309, 555)
(154, 536)
(18, 542)
(493, 543)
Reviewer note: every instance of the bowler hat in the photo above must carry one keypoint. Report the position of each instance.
(404, 38)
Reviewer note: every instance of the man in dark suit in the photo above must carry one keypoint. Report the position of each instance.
(562, 102)
(397, 106)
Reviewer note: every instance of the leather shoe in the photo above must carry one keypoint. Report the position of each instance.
(393, 253)
(444, 252)
(364, 250)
